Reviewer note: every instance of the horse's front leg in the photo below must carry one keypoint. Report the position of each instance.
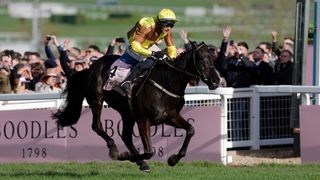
(127, 131)
(180, 122)
(144, 130)
(96, 108)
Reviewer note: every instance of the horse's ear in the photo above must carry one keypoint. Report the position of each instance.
(194, 44)
(202, 43)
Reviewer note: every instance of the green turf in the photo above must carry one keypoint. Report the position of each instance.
(125, 170)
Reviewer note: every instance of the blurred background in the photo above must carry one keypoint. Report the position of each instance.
(84, 22)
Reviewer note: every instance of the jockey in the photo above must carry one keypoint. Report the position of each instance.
(147, 32)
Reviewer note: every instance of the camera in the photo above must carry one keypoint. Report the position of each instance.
(231, 42)
(48, 37)
(24, 80)
(120, 40)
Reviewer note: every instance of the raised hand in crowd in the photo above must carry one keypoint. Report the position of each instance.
(55, 40)
(184, 36)
(226, 33)
(47, 39)
(66, 44)
(274, 35)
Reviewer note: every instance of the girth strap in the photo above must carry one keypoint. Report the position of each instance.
(163, 89)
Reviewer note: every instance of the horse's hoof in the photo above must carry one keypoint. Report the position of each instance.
(113, 153)
(173, 160)
(145, 168)
(124, 156)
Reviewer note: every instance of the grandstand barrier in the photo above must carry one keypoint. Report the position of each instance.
(250, 117)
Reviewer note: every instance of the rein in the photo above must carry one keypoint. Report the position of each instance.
(180, 70)
(194, 62)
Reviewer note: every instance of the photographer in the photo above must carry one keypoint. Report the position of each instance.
(21, 78)
(117, 46)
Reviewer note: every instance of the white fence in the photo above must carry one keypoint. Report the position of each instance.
(251, 117)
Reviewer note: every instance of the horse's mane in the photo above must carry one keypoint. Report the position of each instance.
(174, 62)
(184, 53)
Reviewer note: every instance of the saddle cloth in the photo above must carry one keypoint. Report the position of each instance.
(118, 72)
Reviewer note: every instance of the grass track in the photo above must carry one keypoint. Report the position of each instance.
(159, 170)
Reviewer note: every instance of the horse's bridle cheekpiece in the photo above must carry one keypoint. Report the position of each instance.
(180, 70)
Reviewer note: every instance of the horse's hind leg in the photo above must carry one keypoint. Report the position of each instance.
(180, 122)
(96, 109)
(127, 132)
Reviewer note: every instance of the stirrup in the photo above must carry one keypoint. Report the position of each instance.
(124, 83)
(126, 87)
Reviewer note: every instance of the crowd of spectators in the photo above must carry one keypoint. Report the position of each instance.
(269, 63)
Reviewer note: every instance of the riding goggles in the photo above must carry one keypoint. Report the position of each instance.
(168, 24)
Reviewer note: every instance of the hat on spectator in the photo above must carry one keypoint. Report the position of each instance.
(50, 64)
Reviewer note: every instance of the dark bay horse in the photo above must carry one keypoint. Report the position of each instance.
(159, 101)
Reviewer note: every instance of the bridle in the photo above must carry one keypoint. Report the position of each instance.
(180, 70)
(200, 75)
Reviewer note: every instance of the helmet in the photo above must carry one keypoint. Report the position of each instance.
(166, 15)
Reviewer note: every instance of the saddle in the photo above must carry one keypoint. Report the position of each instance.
(117, 73)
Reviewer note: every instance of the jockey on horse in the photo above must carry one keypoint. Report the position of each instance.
(147, 32)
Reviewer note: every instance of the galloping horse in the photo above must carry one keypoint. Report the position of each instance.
(159, 101)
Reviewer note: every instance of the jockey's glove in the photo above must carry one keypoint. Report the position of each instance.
(158, 54)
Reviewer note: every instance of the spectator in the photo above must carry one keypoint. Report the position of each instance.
(263, 73)
(250, 56)
(287, 43)
(243, 48)
(284, 68)
(187, 45)
(80, 65)
(184, 36)
(233, 65)
(69, 65)
(269, 57)
(94, 50)
(5, 86)
(16, 58)
(34, 57)
(6, 59)
(37, 71)
(49, 83)
(116, 47)
(51, 65)
(21, 78)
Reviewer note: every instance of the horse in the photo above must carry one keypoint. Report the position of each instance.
(159, 101)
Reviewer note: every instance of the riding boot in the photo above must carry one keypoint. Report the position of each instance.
(138, 70)
(126, 84)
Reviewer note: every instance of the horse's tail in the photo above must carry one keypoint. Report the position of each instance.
(70, 113)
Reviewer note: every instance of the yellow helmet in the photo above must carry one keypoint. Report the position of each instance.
(166, 15)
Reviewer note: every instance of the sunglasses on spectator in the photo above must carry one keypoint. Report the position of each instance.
(168, 24)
